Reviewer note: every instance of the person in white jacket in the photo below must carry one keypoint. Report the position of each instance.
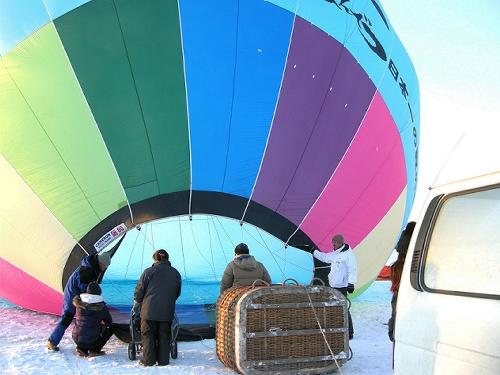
(342, 274)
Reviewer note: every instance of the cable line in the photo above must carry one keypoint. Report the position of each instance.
(218, 237)
(182, 249)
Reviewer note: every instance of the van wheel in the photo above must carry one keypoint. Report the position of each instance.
(131, 351)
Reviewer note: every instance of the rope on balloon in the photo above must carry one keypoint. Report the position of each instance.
(281, 257)
(113, 284)
(218, 237)
(224, 230)
(130, 257)
(182, 249)
(264, 245)
(201, 254)
(143, 246)
(211, 250)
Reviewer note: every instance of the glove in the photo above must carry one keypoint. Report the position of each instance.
(307, 248)
(350, 288)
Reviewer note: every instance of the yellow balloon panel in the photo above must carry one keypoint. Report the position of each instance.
(31, 238)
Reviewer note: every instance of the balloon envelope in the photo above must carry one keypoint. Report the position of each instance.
(300, 118)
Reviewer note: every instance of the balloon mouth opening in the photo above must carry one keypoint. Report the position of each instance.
(199, 230)
(186, 204)
(199, 247)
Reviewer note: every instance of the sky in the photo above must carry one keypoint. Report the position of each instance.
(455, 48)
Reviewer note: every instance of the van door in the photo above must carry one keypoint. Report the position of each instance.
(448, 310)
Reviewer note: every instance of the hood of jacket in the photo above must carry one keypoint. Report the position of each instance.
(87, 301)
(161, 263)
(245, 262)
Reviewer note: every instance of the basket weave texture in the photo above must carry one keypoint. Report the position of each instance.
(225, 327)
(265, 330)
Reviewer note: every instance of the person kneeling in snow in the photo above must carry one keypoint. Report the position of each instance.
(93, 322)
(90, 269)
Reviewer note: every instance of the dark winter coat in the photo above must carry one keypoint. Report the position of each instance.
(91, 316)
(392, 320)
(243, 270)
(157, 290)
(79, 280)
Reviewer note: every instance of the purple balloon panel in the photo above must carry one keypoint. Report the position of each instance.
(323, 101)
(365, 186)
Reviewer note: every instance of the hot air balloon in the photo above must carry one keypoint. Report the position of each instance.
(298, 119)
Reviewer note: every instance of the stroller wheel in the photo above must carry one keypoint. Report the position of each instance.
(131, 351)
(173, 350)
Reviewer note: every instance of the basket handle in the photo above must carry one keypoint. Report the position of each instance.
(262, 282)
(317, 278)
(290, 279)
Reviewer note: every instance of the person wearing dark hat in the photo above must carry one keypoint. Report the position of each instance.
(157, 290)
(243, 270)
(89, 270)
(92, 327)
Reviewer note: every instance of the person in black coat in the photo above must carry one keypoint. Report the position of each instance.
(157, 290)
(396, 272)
(93, 322)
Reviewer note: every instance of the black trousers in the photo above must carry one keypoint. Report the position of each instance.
(351, 328)
(96, 346)
(155, 342)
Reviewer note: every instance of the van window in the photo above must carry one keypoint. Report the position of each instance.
(463, 253)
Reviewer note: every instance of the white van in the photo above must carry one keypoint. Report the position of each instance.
(448, 309)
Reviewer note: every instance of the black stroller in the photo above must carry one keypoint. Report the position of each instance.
(135, 345)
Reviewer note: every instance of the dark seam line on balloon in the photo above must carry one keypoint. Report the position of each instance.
(232, 99)
(53, 144)
(137, 95)
(141, 184)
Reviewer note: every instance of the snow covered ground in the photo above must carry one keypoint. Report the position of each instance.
(23, 336)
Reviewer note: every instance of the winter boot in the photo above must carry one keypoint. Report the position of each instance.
(82, 352)
(52, 346)
(93, 353)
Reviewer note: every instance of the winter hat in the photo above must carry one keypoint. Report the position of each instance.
(104, 259)
(94, 288)
(241, 248)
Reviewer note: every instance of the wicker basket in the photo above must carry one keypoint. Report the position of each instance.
(273, 329)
